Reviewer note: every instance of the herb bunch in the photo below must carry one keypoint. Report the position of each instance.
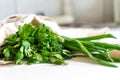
(34, 44)
(39, 44)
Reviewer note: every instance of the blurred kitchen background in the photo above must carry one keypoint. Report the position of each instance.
(67, 12)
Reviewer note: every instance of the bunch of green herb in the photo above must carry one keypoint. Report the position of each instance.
(39, 44)
(34, 44)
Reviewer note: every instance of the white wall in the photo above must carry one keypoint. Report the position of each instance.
(84, 10)
(93, 10)
(49, 7)
(7, 7)
(117, 11)
(88, 10)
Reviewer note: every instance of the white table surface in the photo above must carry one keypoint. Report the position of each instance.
(80, 68)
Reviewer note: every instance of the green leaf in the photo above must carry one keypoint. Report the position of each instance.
(37, 57)
(58, 56)
(26, 48)
(25, 30)
(53, 59)
(6, 53)
(19, 57)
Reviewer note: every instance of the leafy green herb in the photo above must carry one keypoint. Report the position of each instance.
(34, 44)
(39, 44)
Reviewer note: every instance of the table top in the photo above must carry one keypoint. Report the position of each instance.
(77, 69)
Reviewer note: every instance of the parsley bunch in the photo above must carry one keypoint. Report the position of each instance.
(34, 44)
